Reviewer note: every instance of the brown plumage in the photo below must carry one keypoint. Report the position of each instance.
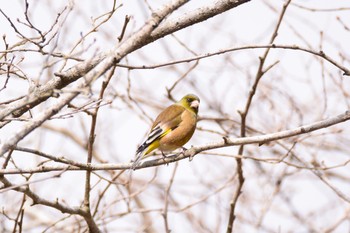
(172, 129)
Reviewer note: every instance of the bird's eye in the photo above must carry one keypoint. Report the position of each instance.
(188, 100)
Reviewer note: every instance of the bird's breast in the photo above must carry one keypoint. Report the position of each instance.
(180, 135)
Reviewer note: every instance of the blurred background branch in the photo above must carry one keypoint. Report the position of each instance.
(81, 82)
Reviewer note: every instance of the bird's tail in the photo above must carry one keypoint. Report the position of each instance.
(136, 161)
(140, 153)
(151, 143)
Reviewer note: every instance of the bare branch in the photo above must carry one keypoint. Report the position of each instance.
(136, 41)
(321, 54)
(260, 140)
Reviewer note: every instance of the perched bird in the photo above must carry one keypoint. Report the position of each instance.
(172, 129)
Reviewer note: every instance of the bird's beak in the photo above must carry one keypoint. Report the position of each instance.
(195, 104)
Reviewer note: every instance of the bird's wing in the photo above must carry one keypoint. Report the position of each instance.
(166, 121)
(170, 117)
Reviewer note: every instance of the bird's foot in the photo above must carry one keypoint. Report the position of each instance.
(190, 158)
(164, 156)
(183, 152)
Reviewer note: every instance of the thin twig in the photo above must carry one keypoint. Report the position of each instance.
(321, 54)
(166, 201)
(243, 114)
(126, 21)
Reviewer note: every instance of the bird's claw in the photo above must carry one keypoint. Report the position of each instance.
(190, 158)
(183, 152)
(164, 156)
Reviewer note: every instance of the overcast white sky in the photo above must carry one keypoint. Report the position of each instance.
(224, 78)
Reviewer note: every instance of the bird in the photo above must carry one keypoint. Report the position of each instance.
(172, 128)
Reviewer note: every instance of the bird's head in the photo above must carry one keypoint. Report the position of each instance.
(191, 102)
